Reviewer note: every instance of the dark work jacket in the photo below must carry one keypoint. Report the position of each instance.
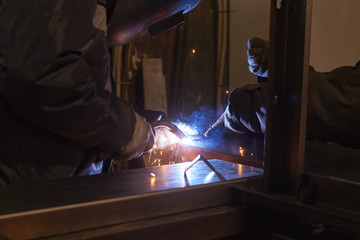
(58, 114)
(333, 111)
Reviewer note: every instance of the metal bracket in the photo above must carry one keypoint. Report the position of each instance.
(198, 158)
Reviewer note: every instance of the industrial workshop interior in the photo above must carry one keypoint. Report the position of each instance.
(204, 177)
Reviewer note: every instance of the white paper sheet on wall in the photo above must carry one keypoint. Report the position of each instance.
(154, 85)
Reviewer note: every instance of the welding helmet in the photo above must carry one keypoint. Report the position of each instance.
(128, 19)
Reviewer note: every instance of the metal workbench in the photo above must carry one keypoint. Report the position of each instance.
(130, 204)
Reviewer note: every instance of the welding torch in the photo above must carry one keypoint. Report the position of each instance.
(216, 125)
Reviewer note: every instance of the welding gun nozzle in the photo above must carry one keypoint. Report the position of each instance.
(216, 125)
(206, 134)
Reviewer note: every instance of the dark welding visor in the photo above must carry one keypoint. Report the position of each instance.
(132, 18)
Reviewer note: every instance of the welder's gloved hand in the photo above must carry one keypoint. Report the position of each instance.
(223, 121)
(141, 142)
(245, 112)
(246, 109)
(258, 55)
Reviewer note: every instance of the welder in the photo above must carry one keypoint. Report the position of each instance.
(333, 110)
(59, 113)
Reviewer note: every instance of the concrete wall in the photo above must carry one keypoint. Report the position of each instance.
(335, 34)
(248, 18)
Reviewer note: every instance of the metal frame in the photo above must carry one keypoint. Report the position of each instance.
(329, 215)
(129, 203)
(117, 215)
(287, 96)
(286, 188)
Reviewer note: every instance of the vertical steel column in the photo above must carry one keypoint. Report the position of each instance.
(288, 86)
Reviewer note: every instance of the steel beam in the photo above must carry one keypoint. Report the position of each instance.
(287, 96)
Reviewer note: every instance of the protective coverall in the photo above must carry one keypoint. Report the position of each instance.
(333, 111)
(58, 112)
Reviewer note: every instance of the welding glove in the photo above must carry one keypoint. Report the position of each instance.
(246, 109)
(245, 112)
(258, 56)
(142, 141)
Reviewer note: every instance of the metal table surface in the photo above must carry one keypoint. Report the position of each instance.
(73, 204)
